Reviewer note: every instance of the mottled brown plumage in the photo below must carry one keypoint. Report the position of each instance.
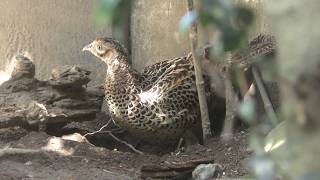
(159, 103)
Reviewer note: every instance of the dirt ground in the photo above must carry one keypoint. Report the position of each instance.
(48, 157)
(56, 152)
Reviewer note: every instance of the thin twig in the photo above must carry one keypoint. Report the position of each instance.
(95, 132)
(206, 128)
(265, 98)
(113, 136)
(125, 143)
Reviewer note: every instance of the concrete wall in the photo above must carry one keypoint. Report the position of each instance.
(52, 31)
(155, 32)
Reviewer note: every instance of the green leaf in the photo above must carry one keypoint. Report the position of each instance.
(104, 11)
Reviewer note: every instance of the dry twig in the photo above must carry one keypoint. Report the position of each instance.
(264, 96)
(171, 169)
(114, 137)
(95, 132)
(206, 130)
(125, 143)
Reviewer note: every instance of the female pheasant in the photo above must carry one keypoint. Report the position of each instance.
(160, 103)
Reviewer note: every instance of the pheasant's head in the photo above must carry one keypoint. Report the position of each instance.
(107, 49)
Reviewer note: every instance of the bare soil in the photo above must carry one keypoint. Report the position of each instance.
(68, 159)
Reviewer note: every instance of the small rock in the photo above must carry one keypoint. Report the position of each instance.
(207, 171)
(69, 77)
(36, 113)
(47, 104)
(23, 67)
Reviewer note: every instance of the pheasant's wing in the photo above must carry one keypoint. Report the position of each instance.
(151, 74)
(154, 70)
(167, 74)
(171, 94)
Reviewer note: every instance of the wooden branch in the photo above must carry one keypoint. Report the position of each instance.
(171, 169)
(265, 98)
(206, 128)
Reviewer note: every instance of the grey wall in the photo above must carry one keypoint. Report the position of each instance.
(155, 32)
(52, 31)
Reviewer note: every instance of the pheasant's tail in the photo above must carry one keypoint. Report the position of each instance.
(260, 46)
(262, 41)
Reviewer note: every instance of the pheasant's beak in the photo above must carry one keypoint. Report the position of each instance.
(87, 47)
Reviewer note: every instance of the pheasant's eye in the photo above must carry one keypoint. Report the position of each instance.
(99, 47)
